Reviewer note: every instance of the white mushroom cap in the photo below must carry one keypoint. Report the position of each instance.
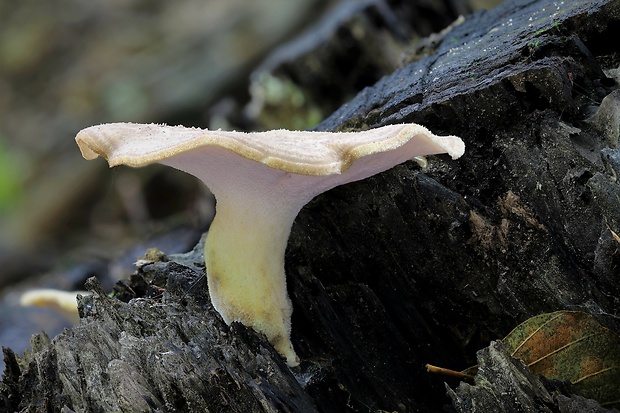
(299, 152)
(260, 181)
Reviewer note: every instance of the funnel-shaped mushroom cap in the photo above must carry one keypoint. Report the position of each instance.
(299, 152)
(260, 181)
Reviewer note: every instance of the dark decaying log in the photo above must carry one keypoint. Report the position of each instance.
(407, 268)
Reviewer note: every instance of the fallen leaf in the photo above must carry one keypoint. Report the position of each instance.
(567, 346)
(613, 234)
(571, 346)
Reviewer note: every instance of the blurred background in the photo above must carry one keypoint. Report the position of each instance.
(232, 64)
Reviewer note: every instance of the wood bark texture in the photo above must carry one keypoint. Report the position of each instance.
(406, 268)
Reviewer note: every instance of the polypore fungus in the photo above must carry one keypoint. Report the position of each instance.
(260, 181)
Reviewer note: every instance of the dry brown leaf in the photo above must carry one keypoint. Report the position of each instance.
(567, 346)
(571, 346)
(613, 234)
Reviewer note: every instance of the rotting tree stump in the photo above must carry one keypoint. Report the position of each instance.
(406, 268)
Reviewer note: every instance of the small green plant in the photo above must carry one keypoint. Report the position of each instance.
(534, 44)
(545, 29)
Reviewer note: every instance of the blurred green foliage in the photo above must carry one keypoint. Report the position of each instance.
(283, 104)
(11, 176)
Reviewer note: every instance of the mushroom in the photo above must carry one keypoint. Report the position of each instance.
(260, 181)
(63, 302)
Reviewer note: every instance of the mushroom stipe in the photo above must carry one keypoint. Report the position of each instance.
(260, 181)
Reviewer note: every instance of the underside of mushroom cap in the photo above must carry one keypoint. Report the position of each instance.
(300, 152)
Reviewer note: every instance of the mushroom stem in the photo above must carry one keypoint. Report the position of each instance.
(244, 255)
